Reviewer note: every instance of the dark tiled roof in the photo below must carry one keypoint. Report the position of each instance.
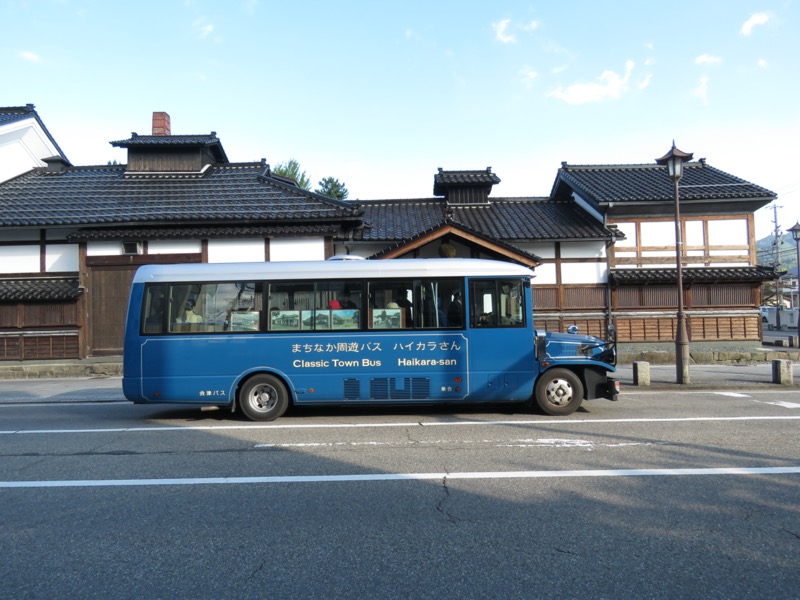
(167, 140)
(690, 275)
(502, 219)
(449, 179)
(227, 194)
(39, 290)
(194, 233)
(175, 141)
(603, 184)
(12, 114)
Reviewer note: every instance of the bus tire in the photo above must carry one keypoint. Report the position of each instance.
(558, 392)
(263, 398)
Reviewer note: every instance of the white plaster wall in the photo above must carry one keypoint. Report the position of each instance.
(728, 232)
(226, 251)
(284, 250)
(658, 233)
(61, 258)
(104, 249)
(545, 274)
(694, 233)
(596, 272)
(19, 259)
(22, 146)
(542, 250)
(177, 247)
(14, 160)
(583, 250)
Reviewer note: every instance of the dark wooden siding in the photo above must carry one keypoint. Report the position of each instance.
(38, 330)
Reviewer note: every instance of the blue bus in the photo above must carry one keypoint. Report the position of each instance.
(259, 337)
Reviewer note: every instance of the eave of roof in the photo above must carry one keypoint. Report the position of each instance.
(12, 114)
(220, 231)
(754, 274)
(39, 289)
(445, 180)
(175, 141)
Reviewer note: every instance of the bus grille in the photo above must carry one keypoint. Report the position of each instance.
(352, 389)
(408, 388)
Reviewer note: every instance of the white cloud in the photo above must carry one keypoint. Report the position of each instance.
(202, 28)
(645, 83)
(762, 62)
(610, 86)
(249, 6)
(707, 59)
(528, 75)
(757, 19)
(701, 91)
(30, 56)
(500, 32)
(532, 26)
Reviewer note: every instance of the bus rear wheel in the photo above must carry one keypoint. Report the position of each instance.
(263, 398)
(558, 392)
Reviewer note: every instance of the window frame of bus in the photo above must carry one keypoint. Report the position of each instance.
(316, 311)
(493, 286)
(412, 314)
(169, 325)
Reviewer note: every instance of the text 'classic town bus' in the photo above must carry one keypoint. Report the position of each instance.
(258, 337)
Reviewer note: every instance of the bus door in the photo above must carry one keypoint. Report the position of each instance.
(501, 349)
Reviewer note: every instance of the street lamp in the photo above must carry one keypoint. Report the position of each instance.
(674, 160)
(795, 231)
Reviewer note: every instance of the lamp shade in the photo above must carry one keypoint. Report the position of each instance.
(795, 231)
(674, 160)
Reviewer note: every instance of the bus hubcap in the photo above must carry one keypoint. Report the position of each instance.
(559, 392)
(263, 398)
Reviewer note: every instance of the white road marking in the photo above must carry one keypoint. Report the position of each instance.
(399, 477)
(521, 443)
(779, 403)
(732, 394)
(544, 421)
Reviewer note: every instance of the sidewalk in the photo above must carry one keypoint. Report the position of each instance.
(664, 377)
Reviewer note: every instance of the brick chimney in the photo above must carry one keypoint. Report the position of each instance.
(161, 123)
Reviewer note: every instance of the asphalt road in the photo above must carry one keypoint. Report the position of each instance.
(664, 494)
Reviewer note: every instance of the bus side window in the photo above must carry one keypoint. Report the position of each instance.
(496, 303)
(153, 310)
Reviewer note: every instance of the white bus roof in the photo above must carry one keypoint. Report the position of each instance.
(402, 268)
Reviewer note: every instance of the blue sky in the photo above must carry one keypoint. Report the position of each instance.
(381, 94)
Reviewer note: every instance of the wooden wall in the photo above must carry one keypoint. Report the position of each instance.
(38, 330)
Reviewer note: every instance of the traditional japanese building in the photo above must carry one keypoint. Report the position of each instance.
(72, 236)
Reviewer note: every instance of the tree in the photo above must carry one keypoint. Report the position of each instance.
(291, 169)
(332, 188)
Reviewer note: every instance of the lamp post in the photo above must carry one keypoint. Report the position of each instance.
(674, 160)
(795, 231)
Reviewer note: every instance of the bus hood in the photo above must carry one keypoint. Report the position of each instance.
(570, 347)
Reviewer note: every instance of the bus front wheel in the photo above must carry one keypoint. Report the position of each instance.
(263, 398)
(558, 392)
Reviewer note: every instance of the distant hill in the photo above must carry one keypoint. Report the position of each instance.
(768, 251)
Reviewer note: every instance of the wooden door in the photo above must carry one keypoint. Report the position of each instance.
(108, 305)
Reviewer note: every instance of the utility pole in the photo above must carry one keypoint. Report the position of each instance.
(776, 265)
